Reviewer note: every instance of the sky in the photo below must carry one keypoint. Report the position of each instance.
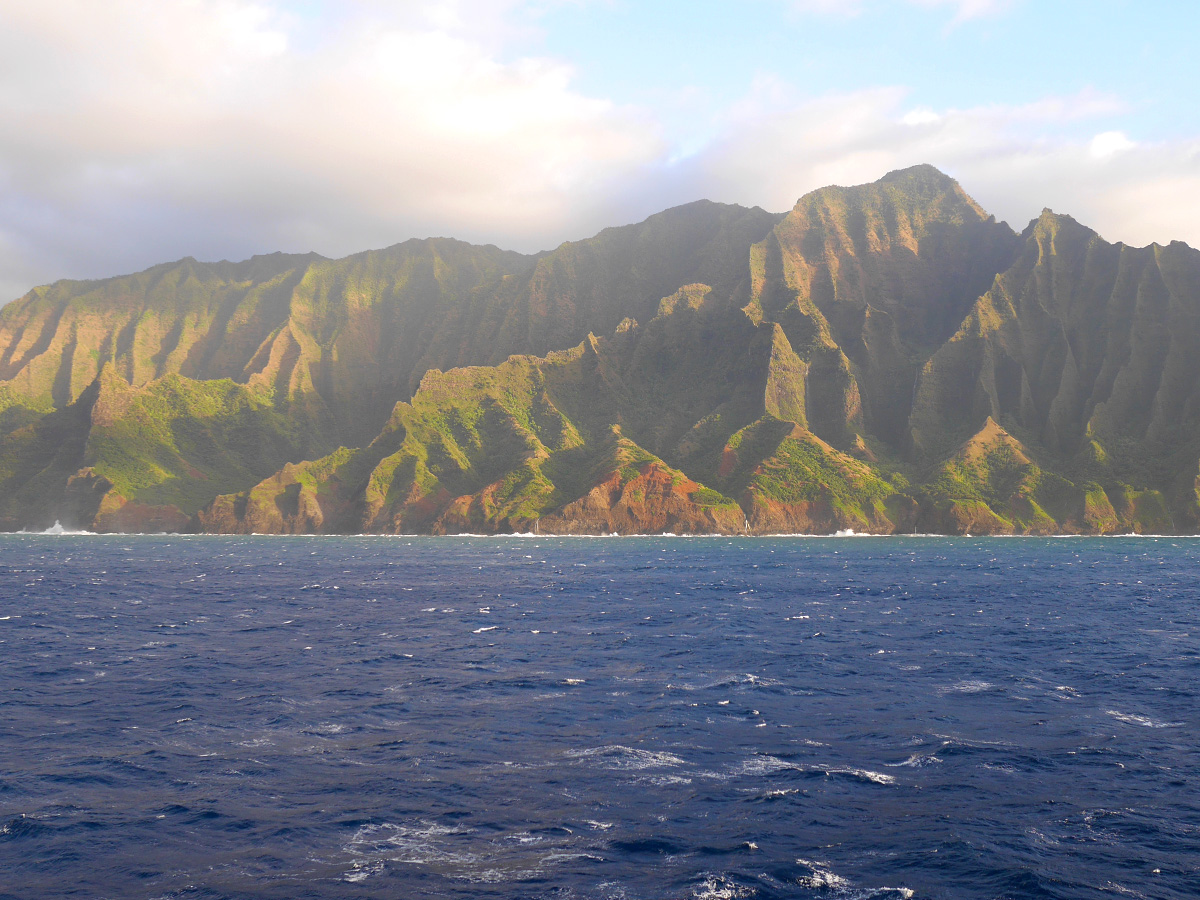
(134, 132)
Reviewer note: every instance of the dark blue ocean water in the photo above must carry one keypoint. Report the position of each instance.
(210, 717)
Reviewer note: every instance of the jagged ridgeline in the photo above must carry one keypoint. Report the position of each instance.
(883, 358)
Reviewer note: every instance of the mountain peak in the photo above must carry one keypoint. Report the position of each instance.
(921, 191)
(884, 357)
(923, 172)
(1049, 224)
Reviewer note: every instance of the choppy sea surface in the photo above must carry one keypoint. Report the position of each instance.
(210, 717)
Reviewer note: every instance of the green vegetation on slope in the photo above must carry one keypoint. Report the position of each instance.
(713, 368)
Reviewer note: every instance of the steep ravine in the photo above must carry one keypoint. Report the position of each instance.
(883, 358)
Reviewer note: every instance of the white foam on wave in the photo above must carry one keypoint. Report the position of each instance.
(953, 740)
(745, 679)
(617, 756)
(916, 761)
(765, 764)
(863, 774)
(458, 852)
(421, 843)
(57, 528)
(967, 686)
(665, 780)
(718, 887)
(728, 681)
(1143, 721)
(482, 630)
(820, 875)
(361, 870)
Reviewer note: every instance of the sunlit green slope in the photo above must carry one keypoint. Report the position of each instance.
(884, 358)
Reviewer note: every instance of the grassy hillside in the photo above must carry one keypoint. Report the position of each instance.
(884, 357)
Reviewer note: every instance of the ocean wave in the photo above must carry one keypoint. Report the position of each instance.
(820, 875)
(1143, 721)
(967, 686)
(765, 764)
(916, 761)
(57, 528)
(740, 679)
(718, 887)
(478, 856)
(616, 756)
(861, 774)
(420, 843)
(779, 793)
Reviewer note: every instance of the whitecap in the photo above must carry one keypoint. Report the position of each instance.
(458, 852)
(967, 686)
(1144, 721)
(864, 774)
(916, 761)
(424, 842)
(57, 528)
(718, 887)
(482, 630)
(747, 678)
(524, 837)
(765, 765)
(616, 756)
(820, 875)
(665, 780)
(360, 871)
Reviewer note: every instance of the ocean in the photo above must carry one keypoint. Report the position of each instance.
(616, 718)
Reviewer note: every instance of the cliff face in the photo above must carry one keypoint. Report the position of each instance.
(1091, 352)
(883, 358)
(355, 335)
(868, 282)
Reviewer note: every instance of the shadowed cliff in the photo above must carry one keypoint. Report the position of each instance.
(885, 357)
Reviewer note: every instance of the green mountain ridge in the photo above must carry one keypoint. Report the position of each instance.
(883, 358)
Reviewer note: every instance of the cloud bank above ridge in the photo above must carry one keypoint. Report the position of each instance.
(140, 132)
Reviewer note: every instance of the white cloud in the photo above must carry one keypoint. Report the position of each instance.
(137, 131)
(1109, 143)
(1014, 160)
(922, 115)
